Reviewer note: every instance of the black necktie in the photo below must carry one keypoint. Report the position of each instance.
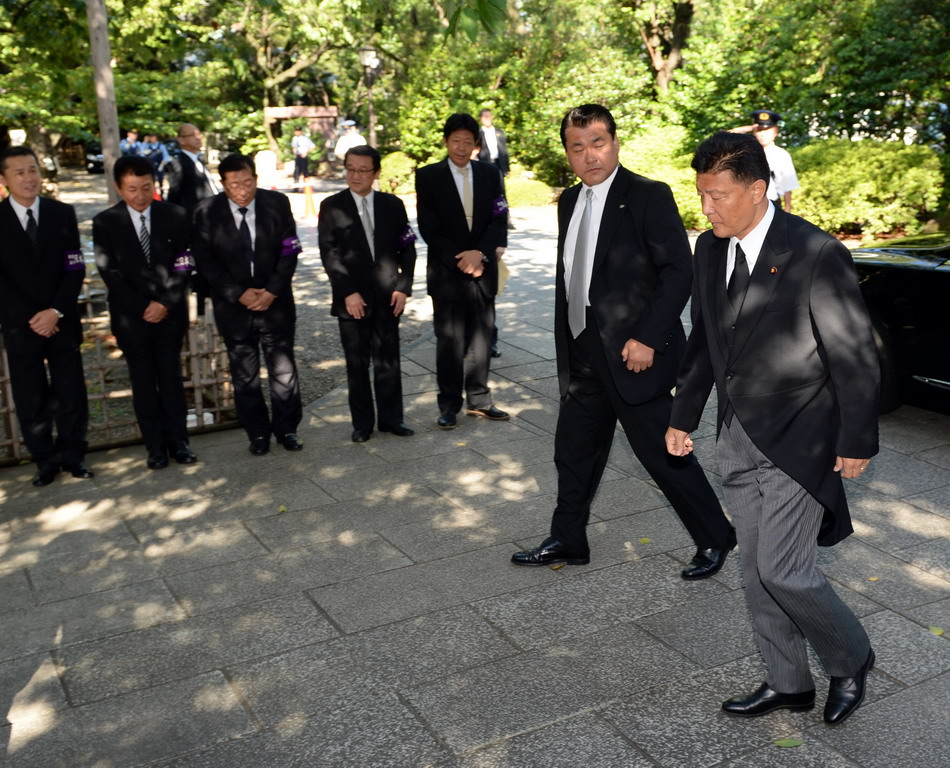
(739, 280)
(246, 237)
(32, 231)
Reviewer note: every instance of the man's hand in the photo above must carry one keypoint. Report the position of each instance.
(850, 468)
(637, 356)
(355, 306)
(678, 442)
(398, 302)
(249, 297)
(155, 312)
(470, 262)
(45, 323)
(264, 299)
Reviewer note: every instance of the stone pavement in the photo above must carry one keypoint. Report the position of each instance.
(353, 605)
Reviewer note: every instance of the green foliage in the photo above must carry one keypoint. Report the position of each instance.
(522, 191)
(397, 174)
(870, 187)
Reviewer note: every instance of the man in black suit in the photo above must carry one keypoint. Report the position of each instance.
(463, 219)
(780, 328)
(623, 278)
(189, 180)
(143, 257)
(245, 244)
(493, 145)
(369, 252)
(41, 275)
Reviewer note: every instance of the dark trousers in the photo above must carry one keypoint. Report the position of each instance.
(300, 168)
(585, 431)
(244, 353)
(373, 339)
(153, 353)
(463, 329)
(57, 398)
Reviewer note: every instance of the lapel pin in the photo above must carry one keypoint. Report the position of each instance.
(623, 205)
(774, 270)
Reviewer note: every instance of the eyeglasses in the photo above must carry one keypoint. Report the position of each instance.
(360, 171)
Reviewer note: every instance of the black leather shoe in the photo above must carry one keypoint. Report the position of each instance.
(259, 446)
(291, 442)
(361, 435)
(491, 412)
(447, 421)
(79, 470)
(708, 562)
(157, 459)
(182, 453)
(845, 694)
(495, 352)
(44, 476)
(766, 700)
(547, 552)
(399, 430)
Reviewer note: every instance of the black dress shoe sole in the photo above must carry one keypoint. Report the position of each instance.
(406, 432)
(190, 459)
(156, 464)
(490, 417)
(769, 710)
(41, 481)
(453, 425)
(553, 561)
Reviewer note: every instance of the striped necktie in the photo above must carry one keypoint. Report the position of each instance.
(145, 240)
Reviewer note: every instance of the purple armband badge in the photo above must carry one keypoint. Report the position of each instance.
(408, 237)
(499, 206)
(74, 261)
(290, 247)
(184, 262)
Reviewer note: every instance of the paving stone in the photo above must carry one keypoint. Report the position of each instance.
(939, 455)
(902, 730)
(134, 729)
(890, 525)
(339, 522)
(65, 576)
(905, 651)
(522, 453)
(281, 573)
(583, 602)
(904, 434)
(191, 551)
(190, 647)
(935, 614)
(711, 631)
(936, 501)
(931, 556)
(898, 475)
(582, 740)
(360, 667)
(484, 705)
(541, 412)
(625, 496)
(14, 590)
(87, 617)
(813, 753)
(525, 372)
(29, 688)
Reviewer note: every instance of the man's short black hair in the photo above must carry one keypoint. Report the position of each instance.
(485, 111)
(584, 115)
(132, 165)
(460, 121)
(16, 152)
(364, 150)
(739, 153)
(236, 162)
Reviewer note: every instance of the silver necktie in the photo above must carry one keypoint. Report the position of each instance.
(468, 204)
(577, 293)
(368, 227)
(145, 241)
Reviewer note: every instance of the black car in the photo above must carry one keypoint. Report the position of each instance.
(905, 283)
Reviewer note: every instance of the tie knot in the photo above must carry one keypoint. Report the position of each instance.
(589, 193)
(142, 218)
(464, 170)
(29, 213)
(242, 211)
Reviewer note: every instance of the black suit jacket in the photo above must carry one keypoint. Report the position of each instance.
(219, 255)
(347, 257)
(442, 225)
(802, 374)
(186, 187)
(485, 156)
(31, 282)
(639, 285)
(132, 282)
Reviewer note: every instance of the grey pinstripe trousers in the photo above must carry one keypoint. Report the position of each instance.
(791, 601)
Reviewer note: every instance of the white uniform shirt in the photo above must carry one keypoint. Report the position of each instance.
(784, 178)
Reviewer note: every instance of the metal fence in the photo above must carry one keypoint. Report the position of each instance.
(204, 366)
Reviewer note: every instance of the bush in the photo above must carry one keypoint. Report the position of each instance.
(396, 175)
(868, 186)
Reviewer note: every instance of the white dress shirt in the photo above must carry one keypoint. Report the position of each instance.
(251, 222)
(203, 169)
(598, 200)
(137, 219)
(20, 211)
(459, 178)
(358, 199)
(751, 244)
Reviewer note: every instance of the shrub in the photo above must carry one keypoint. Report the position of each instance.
(396, 175)
(868, 186)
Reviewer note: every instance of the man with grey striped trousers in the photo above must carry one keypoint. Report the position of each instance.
(780, 328)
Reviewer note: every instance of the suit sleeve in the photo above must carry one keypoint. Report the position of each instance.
(695, 379)
(441, 246)
(330, 251)
(176, 285)
(71, 285)
(121, 292)
(496, 233)
(173, 173)
(289, 246)
(208, 260)
(847, 346)
(405, 250)
(668, 248)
